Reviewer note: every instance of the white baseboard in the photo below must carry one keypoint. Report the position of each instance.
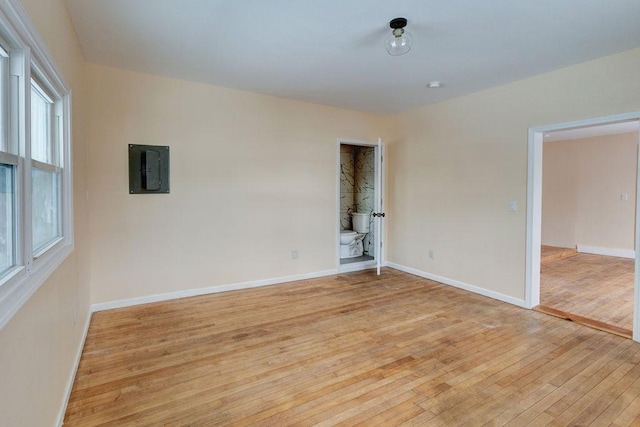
(209, 290)
(598, 250)
(72, 377)
(457, 284)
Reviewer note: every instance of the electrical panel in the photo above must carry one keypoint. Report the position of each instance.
(148, 169)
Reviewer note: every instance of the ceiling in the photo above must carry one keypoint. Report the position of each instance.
(332, 51)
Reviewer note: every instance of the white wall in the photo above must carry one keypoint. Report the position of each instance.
(253, 177)
(456, 165)
(582, 183)
(39, 345)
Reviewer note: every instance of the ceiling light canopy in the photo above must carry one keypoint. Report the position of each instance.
(400, 40)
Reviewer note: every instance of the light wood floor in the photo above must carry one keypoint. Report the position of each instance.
(591, 287)
(347, 350)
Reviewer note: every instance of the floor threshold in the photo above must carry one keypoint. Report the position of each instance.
(595, 324)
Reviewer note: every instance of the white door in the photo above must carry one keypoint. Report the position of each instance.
(379, 213)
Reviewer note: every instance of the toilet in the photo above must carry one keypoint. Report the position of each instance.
(351, 240)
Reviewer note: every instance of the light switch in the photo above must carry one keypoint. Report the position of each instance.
(624, 197)
(513, 206)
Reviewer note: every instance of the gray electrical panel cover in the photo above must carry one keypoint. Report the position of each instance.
(148, 169)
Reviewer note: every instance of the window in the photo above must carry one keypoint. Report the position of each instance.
(8, 178)
(36, 223)
(7, 218)
(45, 171)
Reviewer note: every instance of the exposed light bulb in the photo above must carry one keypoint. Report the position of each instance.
(400, 40)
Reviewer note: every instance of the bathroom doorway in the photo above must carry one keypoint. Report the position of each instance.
(360, 213)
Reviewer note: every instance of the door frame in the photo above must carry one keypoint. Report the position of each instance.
(380, 251)
(534, 209)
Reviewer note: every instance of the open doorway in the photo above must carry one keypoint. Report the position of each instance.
(588, 225)
(582, 264)
(359, 204)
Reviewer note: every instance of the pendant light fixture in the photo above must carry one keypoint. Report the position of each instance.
(400, 40)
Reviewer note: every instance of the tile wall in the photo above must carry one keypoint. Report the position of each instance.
(347, 185)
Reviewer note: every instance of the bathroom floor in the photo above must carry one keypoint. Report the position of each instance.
(356, 259)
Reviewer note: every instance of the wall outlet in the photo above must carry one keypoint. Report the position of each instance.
(294, 254)
(432, 254)
(513, 206)
(624, 197)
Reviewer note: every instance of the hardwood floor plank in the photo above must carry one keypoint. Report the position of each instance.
(619, 397)
(388, 412)
(597, 410)
(522, 400)
(569, 387)
(629, 415)
(350, 349)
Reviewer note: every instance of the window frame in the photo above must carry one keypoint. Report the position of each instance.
(29, 59)
(14, 161)
(53, 150)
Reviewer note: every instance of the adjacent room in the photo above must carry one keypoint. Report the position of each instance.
(302, 213)
(588, 226)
